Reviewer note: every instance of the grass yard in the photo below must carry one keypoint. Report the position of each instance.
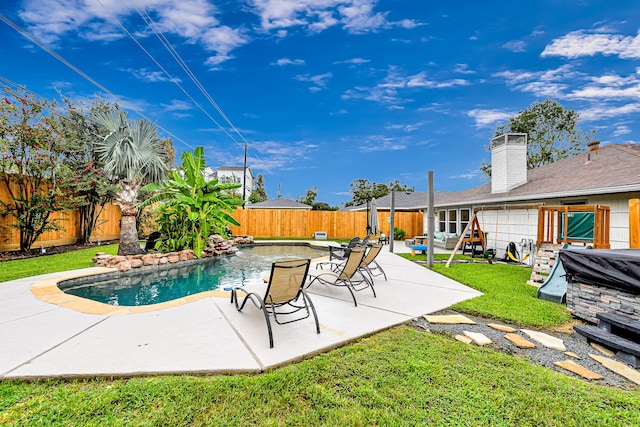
(399, 377)
(73, 260)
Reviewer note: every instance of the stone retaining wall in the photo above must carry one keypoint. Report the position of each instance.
(217, 246)
(584, 301)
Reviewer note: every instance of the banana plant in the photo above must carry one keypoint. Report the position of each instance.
(190, 207)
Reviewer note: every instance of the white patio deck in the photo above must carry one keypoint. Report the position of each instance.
(41, 339)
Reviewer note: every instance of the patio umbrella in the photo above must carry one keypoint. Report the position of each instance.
(374, 226)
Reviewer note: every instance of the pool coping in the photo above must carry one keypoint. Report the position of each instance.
(47, 290)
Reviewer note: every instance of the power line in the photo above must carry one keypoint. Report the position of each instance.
(171, 78)
(174, 53)
(176, 56)
(35, 40)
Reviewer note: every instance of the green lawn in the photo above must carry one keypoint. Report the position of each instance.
(399, 377)
(18, 269)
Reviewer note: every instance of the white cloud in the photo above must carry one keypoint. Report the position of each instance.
(150, 76)
(381, 143)
(583, 43)
(388, 90)
(286, 61)
(319, 80)
(515, 46)
(463, 69)
(353, 61)
(177, 105)
(420, 80)
(193, 20)
(489, 118)
(356, 16)
(551, 83)
(622, 130)
(605, 112)
(609, 86)
(411, 127)
(472, 174)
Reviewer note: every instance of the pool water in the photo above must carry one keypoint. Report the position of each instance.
(153, 286)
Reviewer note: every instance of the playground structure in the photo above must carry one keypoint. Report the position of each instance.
(576, 225)
(585, 224)
(565, 228)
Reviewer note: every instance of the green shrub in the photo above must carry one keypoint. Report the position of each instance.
(398, 233)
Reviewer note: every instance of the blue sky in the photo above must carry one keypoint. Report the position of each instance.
(327, 91)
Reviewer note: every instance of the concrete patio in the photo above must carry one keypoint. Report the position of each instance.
(208, 335)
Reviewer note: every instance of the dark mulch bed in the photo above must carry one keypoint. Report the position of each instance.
(37, 252)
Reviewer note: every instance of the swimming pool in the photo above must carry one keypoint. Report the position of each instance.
(157, 285)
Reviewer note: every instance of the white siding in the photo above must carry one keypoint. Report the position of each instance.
(504, 226)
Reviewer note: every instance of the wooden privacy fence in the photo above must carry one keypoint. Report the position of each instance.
(302, 224)
(255, 222)
(108, 229)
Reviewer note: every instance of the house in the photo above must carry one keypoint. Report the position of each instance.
(278, 204)
(232, 174)
(507, 207)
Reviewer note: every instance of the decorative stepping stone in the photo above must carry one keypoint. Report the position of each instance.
(618, 367)
(519, 341)
(449, 319)
(572, 354)
(503, 328)
(602, 349)
(463, 339)
(545, 339)
(477, 337)
(572, 366)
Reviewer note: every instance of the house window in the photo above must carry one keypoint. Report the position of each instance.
(442, 221)
(453, 221)
(465, 214)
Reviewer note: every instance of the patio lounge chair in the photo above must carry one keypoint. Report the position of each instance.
(345, 275)
(342, 252)
(368, 264)
(283, 297)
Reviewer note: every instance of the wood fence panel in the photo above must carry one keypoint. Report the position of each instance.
(108, 227)
(289, 223)
(69, 221)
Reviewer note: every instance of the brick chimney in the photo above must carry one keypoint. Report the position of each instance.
(508, 162)
(593, 145)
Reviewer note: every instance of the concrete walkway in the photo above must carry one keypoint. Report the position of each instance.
(41, 339)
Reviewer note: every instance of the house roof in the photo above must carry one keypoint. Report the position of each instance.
(613, 168)
(403, 201)
(278, 204)
(234, 169)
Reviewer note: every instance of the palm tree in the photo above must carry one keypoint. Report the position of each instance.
(133, 156)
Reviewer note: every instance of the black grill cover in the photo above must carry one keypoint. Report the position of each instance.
(613, 268)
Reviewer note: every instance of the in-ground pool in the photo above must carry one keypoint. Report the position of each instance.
(156, 285)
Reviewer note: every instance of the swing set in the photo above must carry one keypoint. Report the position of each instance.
(581, 224)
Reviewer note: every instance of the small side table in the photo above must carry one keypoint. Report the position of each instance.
(384, 240)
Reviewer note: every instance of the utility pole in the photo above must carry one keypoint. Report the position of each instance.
(244, 177)
(431, 219)
(391, 225)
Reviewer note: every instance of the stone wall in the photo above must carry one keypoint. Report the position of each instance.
(217, 246)
(584, 301)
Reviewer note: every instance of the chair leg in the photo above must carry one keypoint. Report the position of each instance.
(266, 318)
(313, 310)
(261, 305)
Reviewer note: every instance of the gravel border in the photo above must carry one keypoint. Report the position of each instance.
(540, 355)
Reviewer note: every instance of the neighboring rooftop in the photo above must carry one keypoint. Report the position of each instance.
(403, 201)
(278, 204)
